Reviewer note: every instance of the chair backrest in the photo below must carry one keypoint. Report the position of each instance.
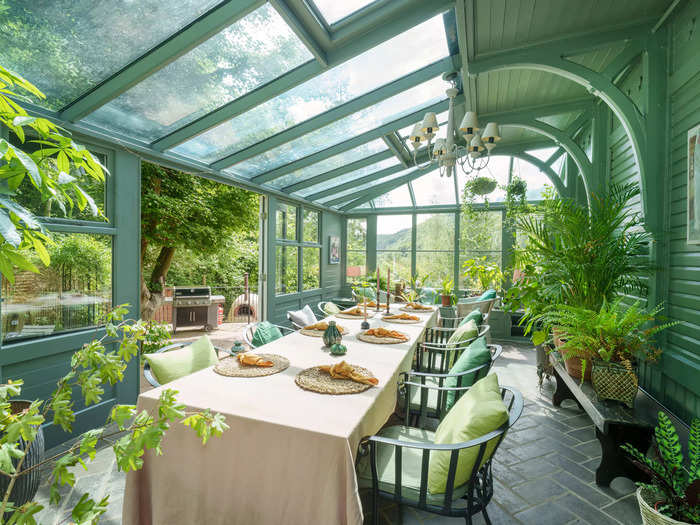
(248, 334)
(294, 324)
(148, 374)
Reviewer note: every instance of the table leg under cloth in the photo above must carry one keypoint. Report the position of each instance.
(268, 467)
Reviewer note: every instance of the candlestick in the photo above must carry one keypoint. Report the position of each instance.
(388, 287)
(365, 325)
(377, 289)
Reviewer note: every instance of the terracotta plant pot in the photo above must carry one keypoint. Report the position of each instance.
(446, 300)
(651, 516)
(573, 365)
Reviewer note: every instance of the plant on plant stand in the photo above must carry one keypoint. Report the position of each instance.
(673, 495)
(614, 340)
(447, 292)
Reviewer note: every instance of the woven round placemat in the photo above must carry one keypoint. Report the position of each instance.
(319, 333)
(380, 340)
(412, 311)
(400, 321)
(370, 314)
(315, 380)
(229, 366)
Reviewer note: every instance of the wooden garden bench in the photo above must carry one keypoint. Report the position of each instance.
(615, 425)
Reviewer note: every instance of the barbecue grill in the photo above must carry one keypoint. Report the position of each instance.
(195, 306)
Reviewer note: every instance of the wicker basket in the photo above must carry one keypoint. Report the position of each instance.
(649, 515)
(614, 381)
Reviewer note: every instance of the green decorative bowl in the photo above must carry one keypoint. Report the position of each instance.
(338, 349)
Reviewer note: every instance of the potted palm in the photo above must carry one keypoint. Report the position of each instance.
(610, 343)
(673, 495)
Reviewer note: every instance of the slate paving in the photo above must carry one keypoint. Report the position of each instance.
(543, 472)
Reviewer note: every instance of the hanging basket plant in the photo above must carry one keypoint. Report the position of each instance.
(516, 192)
(479, 186)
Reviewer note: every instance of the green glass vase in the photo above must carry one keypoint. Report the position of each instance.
(332, 335)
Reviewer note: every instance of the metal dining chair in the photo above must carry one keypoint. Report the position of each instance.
(249, 332)
(464, 307)
(148, 373)
(387, 455)
(436, 354)
(432, 403)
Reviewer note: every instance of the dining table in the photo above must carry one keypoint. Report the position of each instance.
(288, 456)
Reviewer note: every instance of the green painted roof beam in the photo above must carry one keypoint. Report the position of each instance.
(348, 144)
(517, 147)
(164, 53)
(337, 172)
(300, 30)
(357, 183)
(563, 47)
(546, 110)
(579, 122)
(395, 144)
(615, 69)
(330, 116)
(402, 210)
(554, 156)
(411, 194)
(376, 34)
(381, 189)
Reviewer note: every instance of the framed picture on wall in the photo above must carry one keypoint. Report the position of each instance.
(694, 185)
(333, 249)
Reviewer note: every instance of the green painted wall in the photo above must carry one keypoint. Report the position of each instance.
(42, 362)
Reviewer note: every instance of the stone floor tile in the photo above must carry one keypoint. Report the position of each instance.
(584, 510)
(583, 434)
(580, 488)
(619, 488)
(546, 514)
(508, 499)
(572, 467)
(539, 490)
(535, 468)
(589, 448)
(591, 464)
(625, 510)
(506, 475)
(579, 421)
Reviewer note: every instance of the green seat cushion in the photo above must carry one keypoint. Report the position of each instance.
(169, 366)
(477, 354)
(474, 315)
(428, 296)
(488, 294)
(331, 308)
(478, 412)
(368, 292)
(463, 333)
(265, 333)
(410, 462)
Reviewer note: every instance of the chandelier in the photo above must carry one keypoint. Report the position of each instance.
(444, 152)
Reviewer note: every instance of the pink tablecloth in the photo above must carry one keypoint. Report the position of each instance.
(288, 457)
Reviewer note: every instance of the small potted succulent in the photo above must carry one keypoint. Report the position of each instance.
(610, 342)
(673, 495)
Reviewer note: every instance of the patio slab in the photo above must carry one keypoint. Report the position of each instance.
(544, 472)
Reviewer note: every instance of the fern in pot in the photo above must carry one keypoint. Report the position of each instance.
(611, 341)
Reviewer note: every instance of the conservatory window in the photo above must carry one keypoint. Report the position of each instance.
(394, 245)
(480, 236)
(356, 249)
(435, 234)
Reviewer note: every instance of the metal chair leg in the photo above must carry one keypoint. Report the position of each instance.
(375, 510)
(486, 516)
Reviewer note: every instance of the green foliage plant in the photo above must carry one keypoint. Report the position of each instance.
(516, 197)
(92, 366)
(157, 336)
(585, 257)
(484, 274)
(46, 158)
(675, 482)
(478, 186)
(616, 333)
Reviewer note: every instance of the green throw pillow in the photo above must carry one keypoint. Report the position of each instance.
(331, 308)
(368, 292)
(169, 366)
(476, 354)
(463, 333)
(488, 294)
(474, 315)
(478, 412)
(265, 333)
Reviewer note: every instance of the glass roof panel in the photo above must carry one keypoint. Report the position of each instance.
(382, 64)
(381, 113)
(66, 47)
(396, 198)
(334, 10)
(377, 166)
(431, 189)
(355, 192)
(543, 153)
(331, 163)
(250, 52)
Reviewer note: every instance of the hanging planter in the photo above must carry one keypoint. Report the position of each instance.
(479, 186)
(516, 191)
